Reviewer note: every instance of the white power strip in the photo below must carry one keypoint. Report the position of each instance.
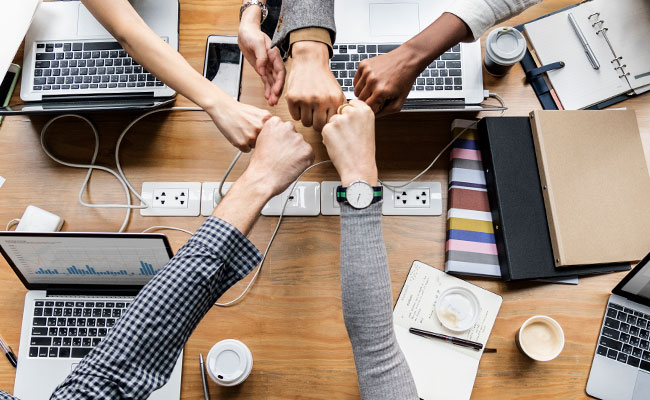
(171, 199)
(307, 199)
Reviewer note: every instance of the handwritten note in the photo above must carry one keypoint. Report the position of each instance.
(416, 306)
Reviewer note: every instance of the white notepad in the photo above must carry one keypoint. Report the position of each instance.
(441, 370)
(578, 85)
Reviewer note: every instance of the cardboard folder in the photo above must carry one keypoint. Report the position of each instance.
(595, 183)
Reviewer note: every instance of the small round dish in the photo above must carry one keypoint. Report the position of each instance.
(457, 309)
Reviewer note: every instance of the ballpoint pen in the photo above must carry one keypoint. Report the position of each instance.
(11, 356)
(583, 41)
(453, 340)
(206, 394)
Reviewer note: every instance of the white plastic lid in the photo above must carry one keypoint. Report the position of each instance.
(505, 45)
(229, 362)
(457, 309)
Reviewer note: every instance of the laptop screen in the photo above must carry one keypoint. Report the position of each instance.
(636, 285)
(46, 260)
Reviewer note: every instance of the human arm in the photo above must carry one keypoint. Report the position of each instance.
(306, 32)
(257, 49)
(385, 81)
(366, 293)
(139, 353)
(239, 122)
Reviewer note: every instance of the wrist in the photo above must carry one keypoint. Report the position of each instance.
(310, 50)
(368, 175)
(251, 17)
(256, 185)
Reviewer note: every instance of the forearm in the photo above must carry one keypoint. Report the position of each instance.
(367, 307)
(480, 15)
(250, 190)
(151, 51)
(440, 36)
(298, 14)
(138, 355)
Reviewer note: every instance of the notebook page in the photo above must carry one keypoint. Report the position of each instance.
(415, 307)
(628, 23)
(578, 85)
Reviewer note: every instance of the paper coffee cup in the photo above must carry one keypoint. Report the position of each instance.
(229, 362)
(504, 47)
(540, 338)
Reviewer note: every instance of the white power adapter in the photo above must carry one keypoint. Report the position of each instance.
(37, 220)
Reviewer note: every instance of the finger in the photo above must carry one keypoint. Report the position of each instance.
(360, 84)
(279, 72)
(306, 114)
(294, 109)
(320, 119)
(244, 148)
(360, 76)
(261, 59)
(375, 102)
(358, 104)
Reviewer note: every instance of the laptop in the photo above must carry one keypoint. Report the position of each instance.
(368, 28)
(79, 286)
(72, 64)
(621, 366)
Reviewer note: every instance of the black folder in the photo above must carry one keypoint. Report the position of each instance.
(517, 205)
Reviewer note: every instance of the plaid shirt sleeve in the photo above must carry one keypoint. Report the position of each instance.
(139, 353)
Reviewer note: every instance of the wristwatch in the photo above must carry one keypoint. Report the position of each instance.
(265, 11)
(360, 194)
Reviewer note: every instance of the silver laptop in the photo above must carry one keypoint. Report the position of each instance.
(367, 28)
(71, 63)
(621, 366)
(79, 285)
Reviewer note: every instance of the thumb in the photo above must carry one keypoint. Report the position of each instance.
(261, 59)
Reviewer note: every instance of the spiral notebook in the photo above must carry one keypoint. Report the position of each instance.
(617, 32)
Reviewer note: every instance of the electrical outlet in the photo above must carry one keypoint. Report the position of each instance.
(210, 196)
(171, 199)
(416, 198)
(328, 203)
(304, 201)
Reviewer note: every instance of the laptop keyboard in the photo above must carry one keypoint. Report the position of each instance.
(444, 73)
(70, 329)
(625, 336)
(83, 66)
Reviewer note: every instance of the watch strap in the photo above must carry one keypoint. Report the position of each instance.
(378, 194)
(262, 6)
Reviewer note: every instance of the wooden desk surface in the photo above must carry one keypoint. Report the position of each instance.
(292, 318)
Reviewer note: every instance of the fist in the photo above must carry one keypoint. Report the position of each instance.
(350, 141)
(281, 154)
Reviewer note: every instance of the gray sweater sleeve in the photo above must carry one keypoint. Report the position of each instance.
(298, 14)
(367, 307)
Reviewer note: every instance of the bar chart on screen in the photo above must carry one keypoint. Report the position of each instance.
(146, 269)
(87, 260)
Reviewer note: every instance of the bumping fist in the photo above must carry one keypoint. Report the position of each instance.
(281, 154)
(350, 141)
(312, 92)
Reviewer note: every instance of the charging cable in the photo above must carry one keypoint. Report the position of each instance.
(424, 171)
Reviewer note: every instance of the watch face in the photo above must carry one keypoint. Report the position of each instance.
(359, 194)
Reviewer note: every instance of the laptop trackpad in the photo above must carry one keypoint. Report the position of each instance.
(390, 19)
(642, 387)
(87, 25)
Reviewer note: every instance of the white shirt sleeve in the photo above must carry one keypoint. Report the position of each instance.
(480, 15)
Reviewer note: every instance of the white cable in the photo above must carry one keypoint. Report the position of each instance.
(225, 176)
(120, 176)
(470, 126)
(173, 228)
(268, 246)
(12, 222)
